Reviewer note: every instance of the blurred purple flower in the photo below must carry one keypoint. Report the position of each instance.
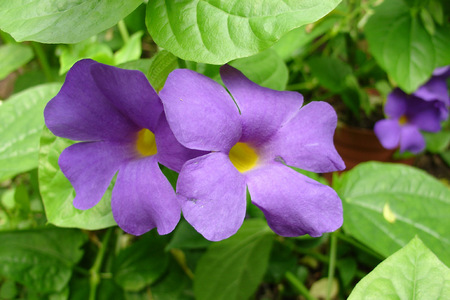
(408, 114)
(119, 119)
(249, 147)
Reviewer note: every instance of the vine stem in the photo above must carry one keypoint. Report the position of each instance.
(42, 58)
(297, 284)
(94, 271)
(332, 265)
(123, 31)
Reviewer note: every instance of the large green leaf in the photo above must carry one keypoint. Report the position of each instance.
(21, 121)
(12, 57)
(232, 269)
(57, 192)
(142, 263)
(413, 272)
(61, 21)
(386, 205)
(266, 68)
(403, 47)
(41, 259)
(216, 32)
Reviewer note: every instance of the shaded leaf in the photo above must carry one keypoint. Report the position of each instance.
(41, 259)
(61, 21)
(12, 57)
(21, 121)
(233, 268)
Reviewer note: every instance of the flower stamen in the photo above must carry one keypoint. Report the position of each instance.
(145, 143)
(243, 157)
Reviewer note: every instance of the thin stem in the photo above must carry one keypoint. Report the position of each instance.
(123, 31)
(352, 242)
(298, 285)
(332, 265)
(94, 272)
(42, 58)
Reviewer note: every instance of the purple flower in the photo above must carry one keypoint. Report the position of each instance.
(436, 91)
(250, 142)
(119, 119)
(407, 115)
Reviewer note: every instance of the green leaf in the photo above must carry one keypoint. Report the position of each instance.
(401, 45)
(57, 192)
(61, 21)
(186, 237)
(163, 63)
(12, 57)
(21, 121)
(216, 32)
(172, 285)
(233, 268)
(89, 48)
(142, 65)
(437, 142)
(131, 50)
(266, 68)
(385, 205)
(142, 263)
(413, 272)
(41, 259)
(441, 41)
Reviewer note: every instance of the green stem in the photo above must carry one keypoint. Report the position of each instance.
(123, 31)
(42, 60)
(299, 286)
(332, 265)
(352, 242)
(94, 272)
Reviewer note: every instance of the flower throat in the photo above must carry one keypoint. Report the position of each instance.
(243, 157)
(145, 143)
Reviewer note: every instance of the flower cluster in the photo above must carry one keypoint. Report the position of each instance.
(222, 143)
(408, 114)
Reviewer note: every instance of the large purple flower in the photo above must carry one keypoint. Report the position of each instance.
(250, 142)
(407, 115)
(119, 119)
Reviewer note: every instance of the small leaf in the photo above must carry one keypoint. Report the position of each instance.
(385, 205)
(61, 21)
(21, 121)
(142, 263)
(186, 237)
(12, 57)
(232, 269)
(413, 272)
(216, 32)
(266, 68)
(41, 259)
(131, 50)
(163, 63)
(57, 192)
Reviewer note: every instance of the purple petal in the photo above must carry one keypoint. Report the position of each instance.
(213, 195)
(388, 133)
(306, 141)
(396, 104)
(80, 111)
(425, 116)
(170, 152)
(442, 71)
(411, 139)
(130, 92)
(434, 89)
(143, 199)
(200, 112)
(262, 110)
(293, 203)
(90, 167)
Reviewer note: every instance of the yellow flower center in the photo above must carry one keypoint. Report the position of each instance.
(243, 157)
(145, 143)
(403, 120)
